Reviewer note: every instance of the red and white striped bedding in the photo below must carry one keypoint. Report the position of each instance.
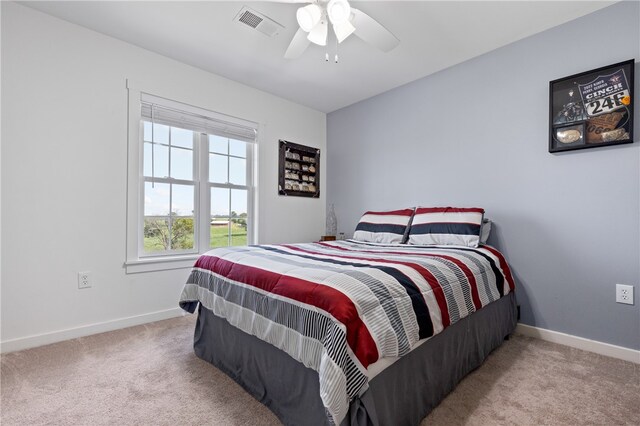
(338, 307)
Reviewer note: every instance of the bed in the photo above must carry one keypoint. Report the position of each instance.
(350, 332)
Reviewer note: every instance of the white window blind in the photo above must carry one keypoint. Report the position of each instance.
(171, 113)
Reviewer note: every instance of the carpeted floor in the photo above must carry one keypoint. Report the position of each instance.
(148, 375)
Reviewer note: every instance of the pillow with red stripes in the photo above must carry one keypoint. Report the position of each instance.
(383, 227)
(446, 226)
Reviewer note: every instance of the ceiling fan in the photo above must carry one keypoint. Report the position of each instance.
(314, 20)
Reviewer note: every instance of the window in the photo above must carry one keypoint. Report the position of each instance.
(169, 188)
(190, 185)
(229, 191)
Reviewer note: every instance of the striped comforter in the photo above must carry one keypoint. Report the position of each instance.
(337, 307)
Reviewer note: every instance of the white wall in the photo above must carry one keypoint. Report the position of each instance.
(64, 171)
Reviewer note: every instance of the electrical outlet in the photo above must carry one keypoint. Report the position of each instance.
(624, 294)
(84, 279)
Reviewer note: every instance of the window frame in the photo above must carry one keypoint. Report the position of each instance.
(137, 260)
(249, 179)
(196, 177)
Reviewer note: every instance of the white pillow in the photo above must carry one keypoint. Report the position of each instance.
(446, 226)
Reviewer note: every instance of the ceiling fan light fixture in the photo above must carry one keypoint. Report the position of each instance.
(343, 30)
(314, 20)
(318, 34)
(339, 11)
(309, 16)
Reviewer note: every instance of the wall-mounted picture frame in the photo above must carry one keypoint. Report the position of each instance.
(592, 109)
(299, 170)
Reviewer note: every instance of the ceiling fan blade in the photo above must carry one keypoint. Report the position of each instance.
(298, 44)
(372, 32)
(319, 33)
(343, 30)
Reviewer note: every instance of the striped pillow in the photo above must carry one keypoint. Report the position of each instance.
(383, 227)
(446, 226)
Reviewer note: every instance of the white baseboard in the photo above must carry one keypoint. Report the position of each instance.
(580, 343)
(13, 345)
(86, 330)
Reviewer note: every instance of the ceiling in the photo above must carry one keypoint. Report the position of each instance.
(433, 35)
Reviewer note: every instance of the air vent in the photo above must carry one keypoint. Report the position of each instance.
(251, 19)
(258, 21)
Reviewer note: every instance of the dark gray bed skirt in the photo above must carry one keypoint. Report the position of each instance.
(402, 394)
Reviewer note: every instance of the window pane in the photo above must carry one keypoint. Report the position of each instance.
(239, 203)
(239, 217)
(182, 163)
(156, 231)
(147, 159)
(160, 133)
(218, 144)
(156, 217)
(182, 200)
(219, 232)
(218, 172)
(238, 171)
(156, 199)
(159, 158)
(181, 137)
(219, 229)
(182, 215)
(219, 202)
(237, 148)
(147, 131)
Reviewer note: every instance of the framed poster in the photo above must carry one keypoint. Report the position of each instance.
(299, 170)
(592, 109)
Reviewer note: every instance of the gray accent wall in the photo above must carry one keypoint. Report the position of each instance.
(476, 134)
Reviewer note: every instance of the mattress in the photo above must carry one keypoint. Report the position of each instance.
(346, 309)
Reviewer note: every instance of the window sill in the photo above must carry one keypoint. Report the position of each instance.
(165, 263)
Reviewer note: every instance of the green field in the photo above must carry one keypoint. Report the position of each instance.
(220, 235)
(156, 235)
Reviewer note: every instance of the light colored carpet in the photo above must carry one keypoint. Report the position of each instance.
(148, 375)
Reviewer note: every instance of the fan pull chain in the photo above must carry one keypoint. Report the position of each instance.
(326, 53)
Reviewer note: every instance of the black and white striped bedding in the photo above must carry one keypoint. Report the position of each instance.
(338, 307)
